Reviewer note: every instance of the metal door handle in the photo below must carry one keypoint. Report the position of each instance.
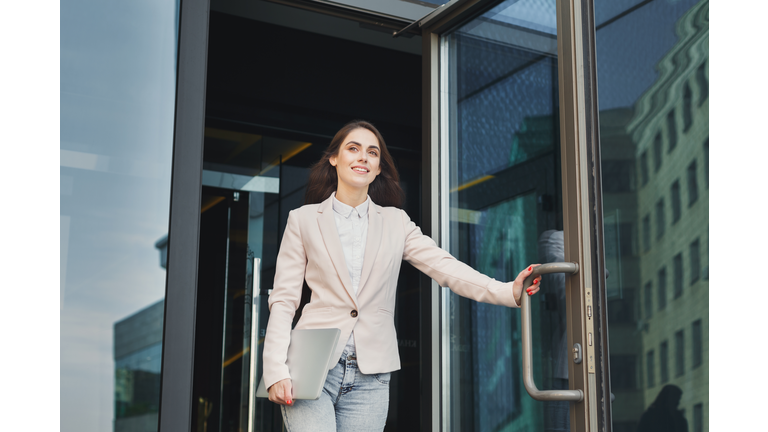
(525, 318)
(253, 366)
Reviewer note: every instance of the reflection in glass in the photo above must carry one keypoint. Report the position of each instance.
(662, 290)
(671, 131)
(138, 348)
(118, 85)
(244, 196)
(653, 69)
(501, 142)
(650, 371)
(664, 361)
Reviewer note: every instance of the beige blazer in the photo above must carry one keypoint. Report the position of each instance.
(311, 250)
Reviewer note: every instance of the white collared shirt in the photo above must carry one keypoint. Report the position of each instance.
(352, 226)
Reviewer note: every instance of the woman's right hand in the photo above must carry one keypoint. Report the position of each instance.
(517, 284)
(281, 392)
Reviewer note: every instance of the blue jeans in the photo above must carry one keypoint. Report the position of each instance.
(350, 401)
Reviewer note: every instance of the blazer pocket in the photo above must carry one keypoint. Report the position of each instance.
(386, 312)
(317, 311)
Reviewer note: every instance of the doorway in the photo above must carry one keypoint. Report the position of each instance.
(276, 94)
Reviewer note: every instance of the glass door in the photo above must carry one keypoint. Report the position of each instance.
(507, 116)
(500, 133)
(243, 206)
(235, 225)
(653, 71)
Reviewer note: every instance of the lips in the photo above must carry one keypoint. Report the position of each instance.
(359, 169)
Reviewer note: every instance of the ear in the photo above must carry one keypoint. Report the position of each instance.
(332, 160)
(379, 171)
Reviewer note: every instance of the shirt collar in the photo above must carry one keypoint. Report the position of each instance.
(347, 211)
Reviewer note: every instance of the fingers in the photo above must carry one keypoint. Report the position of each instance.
(535, 287)
(536, 284)
(281, 392)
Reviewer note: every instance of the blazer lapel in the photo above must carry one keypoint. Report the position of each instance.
(327, 223)
(372, 243)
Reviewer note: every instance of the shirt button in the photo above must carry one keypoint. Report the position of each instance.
(353, 314)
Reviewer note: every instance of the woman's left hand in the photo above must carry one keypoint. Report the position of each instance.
(517, 286)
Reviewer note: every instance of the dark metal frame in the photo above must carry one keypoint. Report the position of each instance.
(595, 195)
(184, 226)
(582, 214)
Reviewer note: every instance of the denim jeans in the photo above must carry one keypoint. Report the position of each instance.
(350, 401)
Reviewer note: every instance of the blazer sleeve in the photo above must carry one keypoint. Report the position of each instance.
(424, 254)
(283, 301)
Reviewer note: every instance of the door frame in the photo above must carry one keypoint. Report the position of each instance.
(582, 206)
(175, 410)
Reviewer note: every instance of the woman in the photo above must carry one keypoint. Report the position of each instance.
(348, 243)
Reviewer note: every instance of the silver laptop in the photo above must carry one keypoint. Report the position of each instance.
(309, 359)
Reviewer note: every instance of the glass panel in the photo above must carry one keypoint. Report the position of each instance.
(233, 233)
(501, 146)
(240, 213)
(653, 87)
(118, 86)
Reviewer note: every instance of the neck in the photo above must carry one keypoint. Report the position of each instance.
(351, 197)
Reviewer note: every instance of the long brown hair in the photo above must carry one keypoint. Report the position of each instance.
(385, 190)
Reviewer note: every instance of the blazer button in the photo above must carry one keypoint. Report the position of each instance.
(353, 314)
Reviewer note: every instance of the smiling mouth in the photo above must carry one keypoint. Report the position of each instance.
(360, 170)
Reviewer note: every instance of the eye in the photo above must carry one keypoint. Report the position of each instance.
(373, 153)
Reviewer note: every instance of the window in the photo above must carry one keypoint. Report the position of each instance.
(679, 354)
(664, 361)
(618, 175)
(678, 274)
(697, 344)
(671, 130)
(687, 110)
(701, 81)
(623, 372)
(695, 261)
(706, 163)
(657, 152)
(660, 222)
(644, 167)
(622, 311)
(662, 288)
(693, 187)
(627, 239)
(647, 232)
(698, 417)
(650, 366)
(648, 300)
(675, 192)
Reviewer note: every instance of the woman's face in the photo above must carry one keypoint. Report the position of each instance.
(358, 161)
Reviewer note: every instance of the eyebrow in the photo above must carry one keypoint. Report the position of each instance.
(357, 143)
